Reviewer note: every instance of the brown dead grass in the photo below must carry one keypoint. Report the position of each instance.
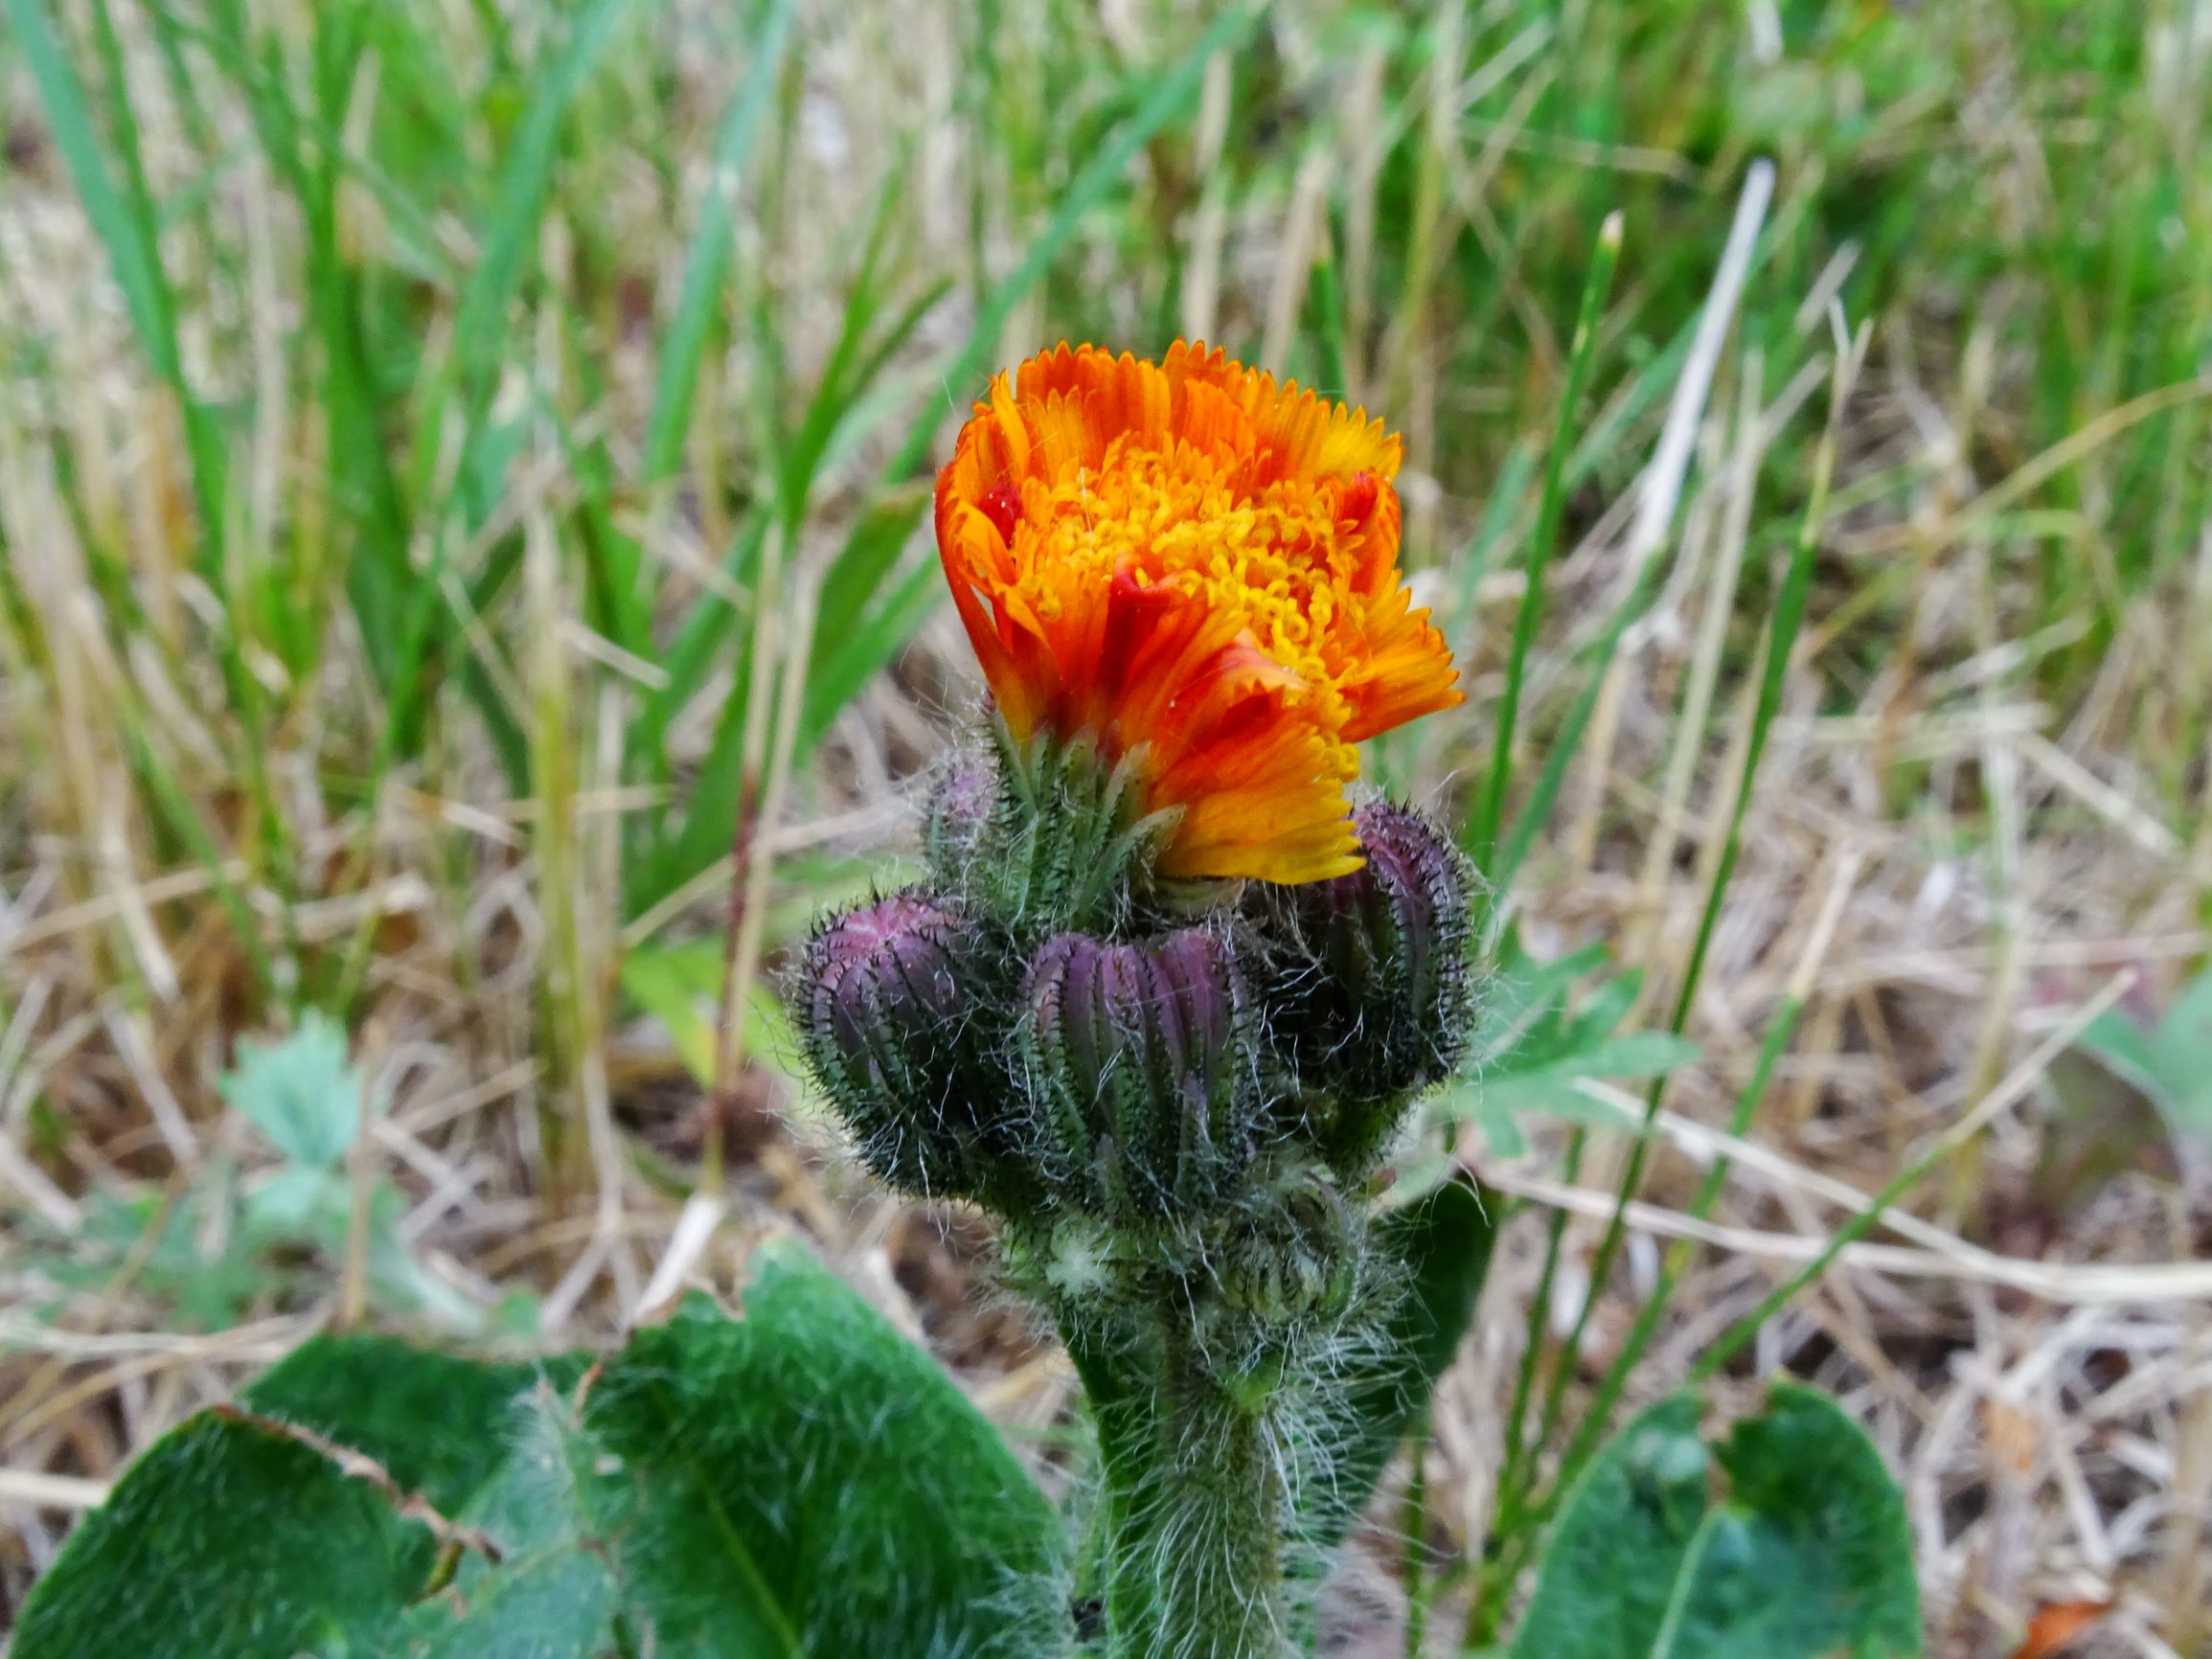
(2052, 1429)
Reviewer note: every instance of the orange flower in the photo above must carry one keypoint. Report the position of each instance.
(1200, 568)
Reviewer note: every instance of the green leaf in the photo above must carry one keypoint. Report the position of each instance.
(805, 1481)
(440, 1424)
(802, 1481)
(2180, 1055)
(303, 1093)
(681, 985)
(1441, 1244)
(1809, 1555)
(1532, 1055)
(2127, 1050)
(1610, 1570)
(2112, 1108)
(228, 1537)
(1520, 991)
(1551, 1087)
(236, 1535)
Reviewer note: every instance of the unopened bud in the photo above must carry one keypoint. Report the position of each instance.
(1143, 1067)
(1376, 992)
(883, 1013)
(961, 801)
(1294, 1256)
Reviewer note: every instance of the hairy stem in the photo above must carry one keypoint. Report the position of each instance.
(1194, 1508)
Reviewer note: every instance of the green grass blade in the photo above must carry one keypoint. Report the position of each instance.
(1779, 1031)
(128, 226)
(840, 668)
(837, 676)
(1482, 836)
(708, 258)
(1788, 617)
(69, 120)
(2016, 1082)
(1506, 494)
(1101, 173)
(175, 808)
(479, 323)
(690, 658)
(1566, 743)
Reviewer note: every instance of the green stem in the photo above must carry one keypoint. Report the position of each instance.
(1417, 1586)
(1193, 1507)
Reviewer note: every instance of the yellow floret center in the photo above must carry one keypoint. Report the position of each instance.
(1182, 518)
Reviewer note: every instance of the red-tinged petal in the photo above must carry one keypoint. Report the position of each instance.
(1188, 560)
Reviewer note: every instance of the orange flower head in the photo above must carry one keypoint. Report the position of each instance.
(1198, 568)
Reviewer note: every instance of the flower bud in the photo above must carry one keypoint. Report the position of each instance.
(961, 802)
(1142, 1064)
(885, 1017)
(1295, 1257)
(1376, 996)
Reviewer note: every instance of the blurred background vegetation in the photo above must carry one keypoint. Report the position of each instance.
(463, 475)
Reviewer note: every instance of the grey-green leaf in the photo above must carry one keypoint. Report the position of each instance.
(554, 1594)
(2181, 1051)
(303, 1092)
(555, 1604)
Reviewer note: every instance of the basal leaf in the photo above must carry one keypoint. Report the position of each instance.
(801, 1481)
(1613, 1561)
(1807, 1556)
(1811, 1555)
(228, 1537)
(439, 1424)
(805, 1481)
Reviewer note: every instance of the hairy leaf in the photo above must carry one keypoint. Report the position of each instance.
(1610, 1571)
(800, 1481)
(228, 1537)
(439, 1424)
(1807, 1556)
(805, 1481)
